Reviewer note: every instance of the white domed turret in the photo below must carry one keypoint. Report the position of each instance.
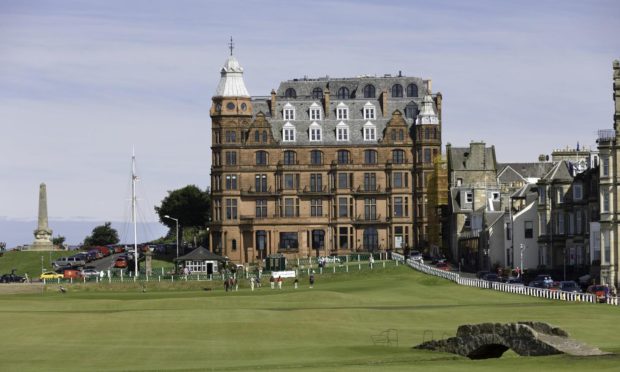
(231, 83)
(427, 113)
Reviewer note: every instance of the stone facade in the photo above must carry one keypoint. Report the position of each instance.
(609, 191)
(491, 340)
(322, 166)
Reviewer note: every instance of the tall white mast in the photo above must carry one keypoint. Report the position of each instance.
(134, 178)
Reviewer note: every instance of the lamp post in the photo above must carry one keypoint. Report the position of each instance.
(523, 247)
(177, 222)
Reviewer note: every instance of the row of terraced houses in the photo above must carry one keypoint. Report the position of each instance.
(342, 165)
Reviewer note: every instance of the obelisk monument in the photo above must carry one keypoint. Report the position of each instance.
(43, 234)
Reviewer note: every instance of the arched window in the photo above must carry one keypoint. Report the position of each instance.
(343, 93)
(290, 93)
(316, 157)
(343, 157)
(262, 158)
(265, 136)
(412, 90)
(289, 157)
(397, 90)
(317, 93)
(370, 157)
(256, 136)
(398, 157)
(369, 91)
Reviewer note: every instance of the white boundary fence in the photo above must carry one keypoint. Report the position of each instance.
(504, 287)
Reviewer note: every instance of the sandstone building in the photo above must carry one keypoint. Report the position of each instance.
(322, 166)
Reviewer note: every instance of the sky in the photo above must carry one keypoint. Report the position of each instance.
(84, 83)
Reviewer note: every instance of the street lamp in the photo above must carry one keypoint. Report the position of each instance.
(177, 221)
(523, 247)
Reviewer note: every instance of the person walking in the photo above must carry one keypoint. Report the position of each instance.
(258, 284)
(296, 282)
(252, 283)
(279, 282)
(272, 282)
(312, 279)
(371, 260)
(226, 284)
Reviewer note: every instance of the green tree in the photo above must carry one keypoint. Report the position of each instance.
(59, 240)
(190, 205)
(102, 235)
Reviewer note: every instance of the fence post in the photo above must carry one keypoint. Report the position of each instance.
(359, 265)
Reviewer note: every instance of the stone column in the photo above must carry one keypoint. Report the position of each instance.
(43, 233)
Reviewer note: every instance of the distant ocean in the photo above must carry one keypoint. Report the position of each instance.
(20, 232)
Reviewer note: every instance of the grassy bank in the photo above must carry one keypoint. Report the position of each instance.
(190, 326)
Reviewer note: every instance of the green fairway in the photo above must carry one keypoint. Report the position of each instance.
(182, 326)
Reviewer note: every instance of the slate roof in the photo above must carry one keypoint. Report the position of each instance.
(559, 172)
(355, 121)
(525, 170)
(201, 254)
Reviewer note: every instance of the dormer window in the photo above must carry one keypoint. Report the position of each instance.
(289, 112)
(342, 112)
(315, 111)
(288, 133)
(316, 132)
(370, 132)
(342, 132)
(290, 93)
(369, 111)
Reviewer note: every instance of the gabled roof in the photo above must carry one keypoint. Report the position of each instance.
(201, 254)
(525, 170)
(559, 172)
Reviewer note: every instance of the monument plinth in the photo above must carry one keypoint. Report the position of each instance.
(43, 234)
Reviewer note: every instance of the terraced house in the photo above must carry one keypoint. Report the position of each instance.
(321, 166)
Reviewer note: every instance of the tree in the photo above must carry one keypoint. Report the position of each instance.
(190, 205)
(102, 235)
(59, 240)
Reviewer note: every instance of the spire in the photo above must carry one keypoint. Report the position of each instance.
(231, 81)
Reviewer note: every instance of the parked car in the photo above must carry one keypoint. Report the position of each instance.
(68, 262)
(570, 286)
(71, 273)
(443, 266)
(490, 277)
(416, 256)
(481, 274)
(600, 291)
(514, 280)
(50, 275)
(12, 278)
(90, 272)
(542, 281)
(121, 263)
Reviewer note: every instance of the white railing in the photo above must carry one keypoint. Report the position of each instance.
(505, 287)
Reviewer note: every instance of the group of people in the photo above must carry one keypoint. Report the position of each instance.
(231, 283)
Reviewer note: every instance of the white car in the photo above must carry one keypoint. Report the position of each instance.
(416, 256)
(87, 273)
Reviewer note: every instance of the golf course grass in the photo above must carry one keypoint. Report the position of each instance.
(196, 326)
